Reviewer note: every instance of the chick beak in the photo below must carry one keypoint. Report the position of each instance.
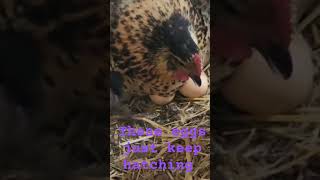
(196, 69)
(278, 59)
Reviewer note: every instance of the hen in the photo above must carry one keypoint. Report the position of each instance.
(264, 25)
(157, 45)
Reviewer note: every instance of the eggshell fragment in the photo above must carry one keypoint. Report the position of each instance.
(256, 89)
(160, 100)
(192, 90)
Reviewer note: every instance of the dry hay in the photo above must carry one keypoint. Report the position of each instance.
(181, 113)
(284, 146)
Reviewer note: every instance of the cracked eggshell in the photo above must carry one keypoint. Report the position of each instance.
(191, 90)
(256, 89)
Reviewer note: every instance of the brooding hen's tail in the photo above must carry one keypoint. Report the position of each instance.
(117, 95)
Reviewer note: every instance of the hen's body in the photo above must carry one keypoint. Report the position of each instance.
(139, 43)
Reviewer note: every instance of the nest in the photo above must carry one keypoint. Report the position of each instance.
(283, 146)
(181, 113)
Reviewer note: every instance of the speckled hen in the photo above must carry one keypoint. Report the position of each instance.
(157, 45)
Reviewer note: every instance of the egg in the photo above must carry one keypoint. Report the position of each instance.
(192, 90)
(160, 100)
(256, 89)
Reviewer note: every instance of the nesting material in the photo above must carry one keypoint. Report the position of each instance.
(180, 113)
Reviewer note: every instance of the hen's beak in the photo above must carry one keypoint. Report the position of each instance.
(196, 79)
(278, 59)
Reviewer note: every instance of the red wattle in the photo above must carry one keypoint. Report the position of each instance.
(198, 63)
(181, 75)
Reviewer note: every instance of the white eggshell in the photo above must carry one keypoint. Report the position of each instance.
(192, 90)
(160, 100)
(256, 89)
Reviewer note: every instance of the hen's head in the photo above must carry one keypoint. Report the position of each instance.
(181, 51)
(264, 25)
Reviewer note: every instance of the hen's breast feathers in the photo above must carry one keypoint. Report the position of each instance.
(134, 57)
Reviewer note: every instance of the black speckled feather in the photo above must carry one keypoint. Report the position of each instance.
(152, 40)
